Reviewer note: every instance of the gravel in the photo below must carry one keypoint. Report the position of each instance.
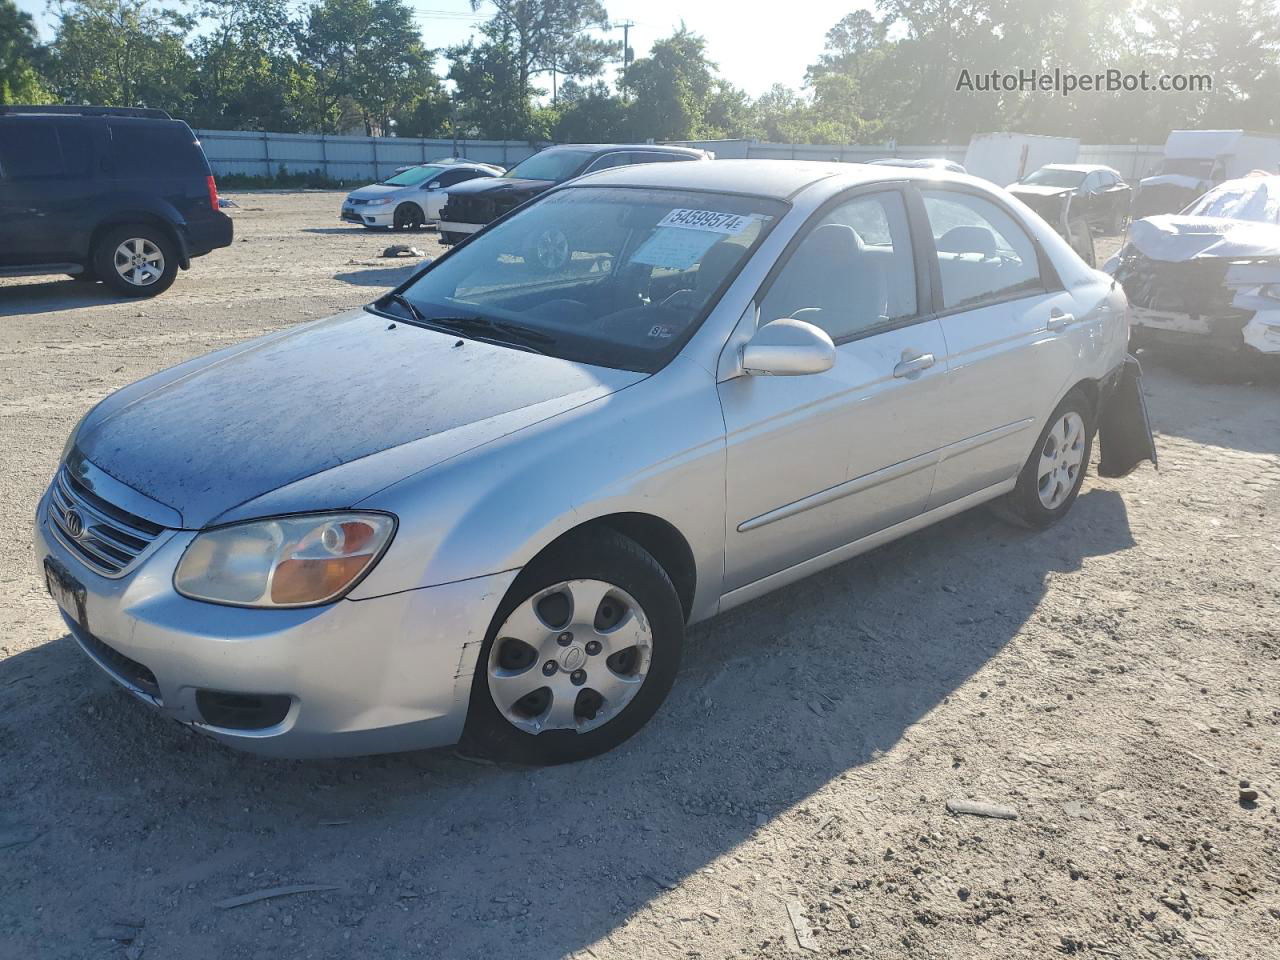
(1113, 680)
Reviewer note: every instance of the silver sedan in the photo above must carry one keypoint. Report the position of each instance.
(485, 507)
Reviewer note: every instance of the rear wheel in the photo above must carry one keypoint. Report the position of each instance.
(138, 260)
(1051, 479)
(582, 652)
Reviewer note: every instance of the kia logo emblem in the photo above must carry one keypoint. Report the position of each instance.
(75, 523)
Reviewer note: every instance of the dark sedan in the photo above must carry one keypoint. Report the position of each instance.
(473, 204)
(1098, 194)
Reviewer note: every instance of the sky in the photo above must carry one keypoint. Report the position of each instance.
(755, 48)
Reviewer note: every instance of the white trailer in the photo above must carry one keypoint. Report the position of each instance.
(1005, 158)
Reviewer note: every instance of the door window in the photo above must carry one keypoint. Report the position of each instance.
(29, 151)
(610, 160)
(984, 256)
(451, 177)
(853, 273)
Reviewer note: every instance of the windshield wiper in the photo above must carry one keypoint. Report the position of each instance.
(506, 328)
(414, 313)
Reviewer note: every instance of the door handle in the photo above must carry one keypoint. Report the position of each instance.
(914, 365)
(1058, 319)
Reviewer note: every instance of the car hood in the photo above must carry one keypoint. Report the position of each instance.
(1177, 239)
(217, 433)
(374, 190)
(1037, 190)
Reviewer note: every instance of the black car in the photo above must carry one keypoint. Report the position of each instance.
(1098, 194)
(475, 203)
(120, 195)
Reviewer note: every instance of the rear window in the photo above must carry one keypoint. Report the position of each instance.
(146, 150)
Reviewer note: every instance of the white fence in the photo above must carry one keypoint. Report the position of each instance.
(374, 158)
(343, 158)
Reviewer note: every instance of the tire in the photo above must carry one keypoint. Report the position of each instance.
(408, 216)
(1039, 505)
(632, 598)
(112, 263)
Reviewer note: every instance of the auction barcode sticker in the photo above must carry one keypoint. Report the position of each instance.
(711, 220)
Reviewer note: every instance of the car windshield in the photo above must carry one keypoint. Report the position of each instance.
(1049, 177)
(413, 176)
(1253, 198)
(1187, 166)
(618, 277)
(554, 165)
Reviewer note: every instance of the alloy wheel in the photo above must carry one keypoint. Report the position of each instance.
(1061, 460)
(570, 657)
(139, 261)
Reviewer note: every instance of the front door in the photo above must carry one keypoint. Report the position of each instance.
(818, 461)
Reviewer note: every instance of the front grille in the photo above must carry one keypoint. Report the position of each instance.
(465, 209)
(130, 671)
(107, 539)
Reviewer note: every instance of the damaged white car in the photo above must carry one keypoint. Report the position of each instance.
(1209, 276)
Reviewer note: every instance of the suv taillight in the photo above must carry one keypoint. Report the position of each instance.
(213, 193)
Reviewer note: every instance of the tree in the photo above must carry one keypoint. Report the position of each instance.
(247, 76)
(123, 53)
(542, 36)
(593, 114)
(20, 58)
(671, 87)
(367, 53)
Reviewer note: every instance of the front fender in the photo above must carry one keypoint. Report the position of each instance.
(656, 448)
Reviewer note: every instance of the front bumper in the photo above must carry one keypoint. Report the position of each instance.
(379, 216)
(457, 226)
(363, 676)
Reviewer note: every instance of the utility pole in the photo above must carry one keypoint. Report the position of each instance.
(626, 26)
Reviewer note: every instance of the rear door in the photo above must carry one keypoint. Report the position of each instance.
(47, 183)
(1008, 323)
(815, 462)
(161, 158)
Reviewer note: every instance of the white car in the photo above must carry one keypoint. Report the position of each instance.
(413, 197)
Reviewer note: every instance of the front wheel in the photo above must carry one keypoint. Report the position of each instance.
(582, 652)
(408, 216)
(1051, 479)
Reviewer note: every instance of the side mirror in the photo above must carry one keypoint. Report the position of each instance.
(433, 185)
(788, 348)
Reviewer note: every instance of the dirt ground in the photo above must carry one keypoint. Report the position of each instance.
(1113, 680)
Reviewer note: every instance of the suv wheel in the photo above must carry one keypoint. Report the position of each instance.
(581, 653)
(137, 260)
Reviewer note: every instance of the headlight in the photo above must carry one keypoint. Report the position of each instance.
(284, 562)
(379, 202)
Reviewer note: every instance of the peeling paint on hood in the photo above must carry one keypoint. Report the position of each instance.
(216, 432)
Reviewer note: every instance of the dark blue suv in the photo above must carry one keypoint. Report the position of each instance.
(120, 195)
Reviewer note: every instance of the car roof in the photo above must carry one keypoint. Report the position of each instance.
(606, 147)
(778, 179)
